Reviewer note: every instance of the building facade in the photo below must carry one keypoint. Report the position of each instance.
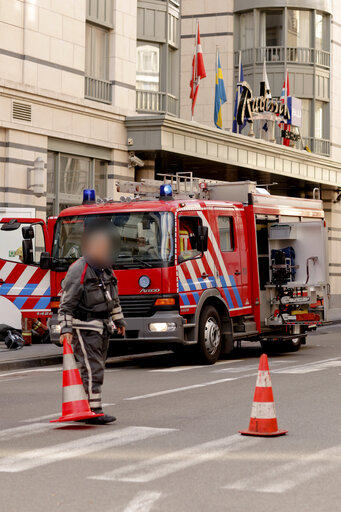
(87, 84)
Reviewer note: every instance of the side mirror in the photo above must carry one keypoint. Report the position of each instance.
(202, 238)
(27, 252)
(45, 261)
(12, 225)
(27, 232)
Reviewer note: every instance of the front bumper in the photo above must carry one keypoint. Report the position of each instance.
(137, 329)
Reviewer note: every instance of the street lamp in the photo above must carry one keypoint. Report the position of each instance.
(36, 177)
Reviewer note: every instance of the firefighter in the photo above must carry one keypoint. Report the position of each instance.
(90, 309)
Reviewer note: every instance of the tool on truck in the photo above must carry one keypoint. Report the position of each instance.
(207, 265)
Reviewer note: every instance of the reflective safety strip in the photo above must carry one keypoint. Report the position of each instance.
(263, 410)
(73, 393)
(116, 310)
(93, 325)
(263, 380)
(118, 316)
(86, 360)
(69, 362)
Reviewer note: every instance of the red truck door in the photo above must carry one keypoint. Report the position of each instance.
(232, 258)
(24, 284)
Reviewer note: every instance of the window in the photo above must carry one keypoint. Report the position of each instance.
(321, 32)
(225, 226)
(299, 29)
(68, 175)
(74, 175)
(306, 118)
(97, 52)
(188, 237)
(148, 67)
(246, 30)
(271, 23)
(147, 238)
(319, 120)
(11, 246)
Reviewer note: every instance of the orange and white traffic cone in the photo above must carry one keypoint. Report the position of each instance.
(75, 404)
(263, 421)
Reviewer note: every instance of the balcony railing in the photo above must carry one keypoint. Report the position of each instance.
(281, 53)
(156, 101)
(98, 90)
(320, 146)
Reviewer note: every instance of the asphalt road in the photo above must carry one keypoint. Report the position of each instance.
(175, 446)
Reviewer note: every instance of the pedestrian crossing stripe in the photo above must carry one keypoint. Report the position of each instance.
(26, 460)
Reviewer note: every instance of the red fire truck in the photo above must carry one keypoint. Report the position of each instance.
(207, 265)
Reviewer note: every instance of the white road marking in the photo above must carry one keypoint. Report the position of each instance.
(287, 476)
(143, 502)
(53, 415)
(20, 372)
(316, 366)
(78, 447)
(193, 367)
(183, 388)
(172, 462)
(24, 430)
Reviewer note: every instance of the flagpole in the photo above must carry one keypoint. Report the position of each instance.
(239, 76)
(195, 59)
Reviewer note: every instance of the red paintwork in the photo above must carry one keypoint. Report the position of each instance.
(234, 274)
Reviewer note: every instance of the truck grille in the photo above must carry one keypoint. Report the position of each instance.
(136, 305)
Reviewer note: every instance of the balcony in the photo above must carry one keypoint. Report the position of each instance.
(98, 90)
(156, 102)
(280, 54)
(319, 146)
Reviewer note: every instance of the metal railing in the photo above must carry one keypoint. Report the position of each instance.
(319, 146)
(280, 53)
(156, 101)
(98, 90)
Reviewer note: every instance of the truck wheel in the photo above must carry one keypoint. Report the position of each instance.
(210, 335)
(293, 345)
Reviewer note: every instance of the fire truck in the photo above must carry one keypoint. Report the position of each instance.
(200, 264)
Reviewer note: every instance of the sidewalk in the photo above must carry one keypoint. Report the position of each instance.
(30, 356)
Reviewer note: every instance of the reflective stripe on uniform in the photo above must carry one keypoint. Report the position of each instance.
(92, 325)
(86, 360)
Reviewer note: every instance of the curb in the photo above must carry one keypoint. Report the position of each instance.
(33, 362)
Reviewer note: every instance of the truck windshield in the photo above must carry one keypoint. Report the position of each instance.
(147, 239)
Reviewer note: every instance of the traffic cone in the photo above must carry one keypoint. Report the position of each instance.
(263, 421)
(75, 404)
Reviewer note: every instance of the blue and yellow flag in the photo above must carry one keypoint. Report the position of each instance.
(220, 95)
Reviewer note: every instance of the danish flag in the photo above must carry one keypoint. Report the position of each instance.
(198, 70)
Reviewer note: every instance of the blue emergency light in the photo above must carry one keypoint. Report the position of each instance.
(89, 196)
(166, 191)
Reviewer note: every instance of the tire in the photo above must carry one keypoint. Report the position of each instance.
(293, 345)
(210, 336)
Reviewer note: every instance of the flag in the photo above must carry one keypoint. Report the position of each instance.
(198, 70)
(266, 81)
(220, 95)
(284, 96)
(238, 94)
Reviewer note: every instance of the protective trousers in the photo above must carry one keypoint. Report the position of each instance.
(90, 348)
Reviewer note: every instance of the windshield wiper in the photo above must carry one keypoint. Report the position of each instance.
(143, 262)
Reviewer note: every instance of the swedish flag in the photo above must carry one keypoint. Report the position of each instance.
(220, 95)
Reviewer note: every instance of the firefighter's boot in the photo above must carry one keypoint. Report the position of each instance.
(100, 420)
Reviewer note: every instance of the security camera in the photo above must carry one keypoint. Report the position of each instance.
(135, 160)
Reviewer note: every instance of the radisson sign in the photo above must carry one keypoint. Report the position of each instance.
(249, 105)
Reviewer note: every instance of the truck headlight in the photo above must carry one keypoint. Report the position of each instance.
(162, 326)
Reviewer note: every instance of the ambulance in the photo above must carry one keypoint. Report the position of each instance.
(205, 265)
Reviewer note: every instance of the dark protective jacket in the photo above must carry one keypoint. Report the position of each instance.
(89, 299)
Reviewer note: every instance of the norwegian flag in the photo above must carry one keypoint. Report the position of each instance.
(198, 70)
